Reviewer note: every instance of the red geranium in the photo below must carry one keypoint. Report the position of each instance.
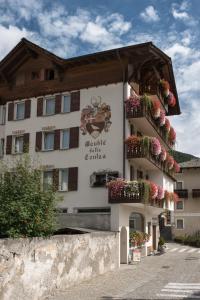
(167, 125)
(153, 190)
(172, 135)
(155, 109)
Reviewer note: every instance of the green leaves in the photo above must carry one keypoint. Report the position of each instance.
(25, 209)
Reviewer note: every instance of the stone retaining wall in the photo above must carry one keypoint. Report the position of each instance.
(33, 268)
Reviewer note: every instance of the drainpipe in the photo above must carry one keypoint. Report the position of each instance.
(123, 97)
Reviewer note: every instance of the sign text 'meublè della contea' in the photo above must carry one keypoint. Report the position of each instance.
(95, 149)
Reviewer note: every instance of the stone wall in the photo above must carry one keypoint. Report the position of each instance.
(34, 268)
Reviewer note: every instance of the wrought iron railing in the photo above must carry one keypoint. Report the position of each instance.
(196, 193)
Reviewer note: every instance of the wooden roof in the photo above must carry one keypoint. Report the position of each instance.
(140, 53)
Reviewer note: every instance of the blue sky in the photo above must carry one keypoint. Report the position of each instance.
(74, 27)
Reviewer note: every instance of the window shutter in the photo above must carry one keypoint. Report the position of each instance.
(39, 107)
(75, 101)
(55, 179)
(27, 109)
(73, 179)
(26, 143)
(38, 143)
(9, 144)
(57, 139)
(58, 104)
(11, 111)
(74, 137)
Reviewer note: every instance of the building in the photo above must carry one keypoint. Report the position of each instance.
(75, 115)
(187, 209)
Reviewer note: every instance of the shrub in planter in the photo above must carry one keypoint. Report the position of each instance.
(147, 101)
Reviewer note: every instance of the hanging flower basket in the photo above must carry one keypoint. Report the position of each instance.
(167, 125)
(172, 136)
(170, 162)
(171, 100)
(163, 154)
(161, 193)
(155, 146)
(176, 167)
(132, 103)
(153, 190)
(155, 109)
(162, 118)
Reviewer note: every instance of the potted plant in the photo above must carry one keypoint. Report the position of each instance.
(161, 245)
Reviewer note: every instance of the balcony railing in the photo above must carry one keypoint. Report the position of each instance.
(123, 196)
(196, 193)
(182, 193)
(144, 111)
(139, 151)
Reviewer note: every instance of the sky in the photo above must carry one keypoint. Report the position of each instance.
(75, 27)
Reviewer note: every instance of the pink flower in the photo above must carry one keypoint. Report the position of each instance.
(162, 118)
(161, 193)
(171, 100)
(155, 146)
(132, 103)
(170, 162)
(167, 125)
(176, 167)
(163, 154)
(153, 190)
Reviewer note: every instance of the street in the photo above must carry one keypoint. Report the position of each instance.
(173, 275)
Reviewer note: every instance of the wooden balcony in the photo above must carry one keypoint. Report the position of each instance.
(146, 123)
(196, 193)
(148, 160)
(126, 197)
(182, 193)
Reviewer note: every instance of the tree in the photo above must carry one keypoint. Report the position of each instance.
(26, 210)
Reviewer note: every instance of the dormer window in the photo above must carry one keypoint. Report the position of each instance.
(49, 74)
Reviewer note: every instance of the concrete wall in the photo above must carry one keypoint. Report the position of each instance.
(86, 220)
(33, 268)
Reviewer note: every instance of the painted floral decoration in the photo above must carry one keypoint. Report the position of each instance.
(155, 146)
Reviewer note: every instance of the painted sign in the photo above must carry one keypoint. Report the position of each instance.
(95, 118)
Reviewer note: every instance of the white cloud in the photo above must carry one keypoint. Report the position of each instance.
(180, 15)
(179, 12)
(10, 37)
(150, 14)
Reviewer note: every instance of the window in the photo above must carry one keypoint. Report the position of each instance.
(47, 179)
(100, 179)
(65, 139)
(63, 180)
(179, 185)
(50, 106)
(20, 110)
(180, 205)
(19, 141)
(35, 75)
(180, 224)
(2, 115)
(1, 147)
(49, 74)
(66, 103)
(48, 141)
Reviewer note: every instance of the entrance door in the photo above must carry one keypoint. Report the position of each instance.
(154, 238)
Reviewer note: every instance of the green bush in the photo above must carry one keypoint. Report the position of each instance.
(191, 240)
(26, 210)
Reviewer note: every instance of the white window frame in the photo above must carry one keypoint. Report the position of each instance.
(15, 110)
(61, 138)
(177, 222)
(14, 144)
(43, 140)
(60, 178)
(180, 200)
(45, 171)
(62, 104)
(45, 105)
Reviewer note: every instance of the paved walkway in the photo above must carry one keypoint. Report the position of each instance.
(174, 275)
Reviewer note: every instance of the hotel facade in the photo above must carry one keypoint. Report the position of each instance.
(98, 126)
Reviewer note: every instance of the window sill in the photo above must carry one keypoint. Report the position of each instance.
(47, 150)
